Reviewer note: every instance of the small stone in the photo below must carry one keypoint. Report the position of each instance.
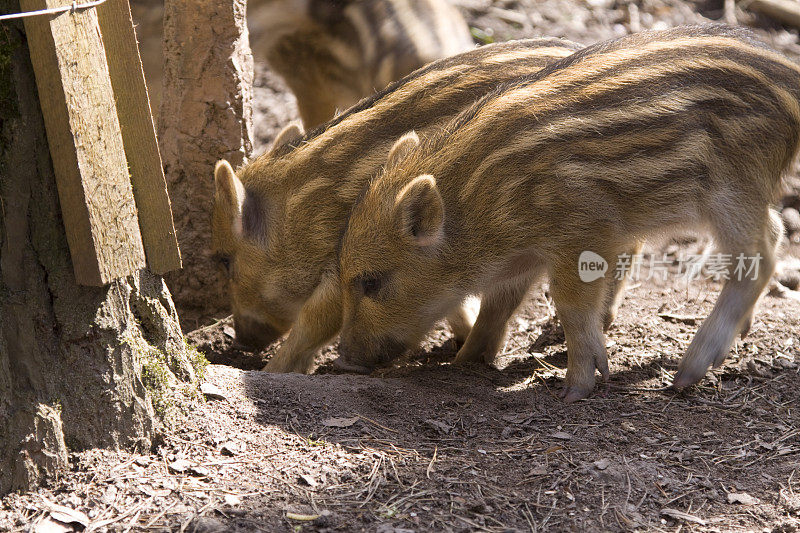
(179, 466)
(438, 425)
(229, 331)
(231, 500)
(742, 498)
(326, 519)
(109, 495)
(230, 449)
(540, 470)
(561, 435)
(199, 471)
(602, 464)
(142, 461)
(73, 501)
(212, 392)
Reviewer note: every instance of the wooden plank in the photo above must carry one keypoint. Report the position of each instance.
(139, 137)
(83, 133)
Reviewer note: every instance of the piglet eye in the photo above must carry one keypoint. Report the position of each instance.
(371, 285)
(225, 262)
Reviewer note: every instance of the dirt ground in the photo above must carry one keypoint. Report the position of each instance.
(427, 446)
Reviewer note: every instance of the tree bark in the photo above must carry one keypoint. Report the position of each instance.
(206, 115)
(71, 357)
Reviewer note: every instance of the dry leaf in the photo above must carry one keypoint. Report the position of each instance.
(309, 480)
(65, 515)
(680, 515)
(302, 517)
(339, 422)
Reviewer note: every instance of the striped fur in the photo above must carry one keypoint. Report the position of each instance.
(278, 223)
(333, 53)
(633, 138)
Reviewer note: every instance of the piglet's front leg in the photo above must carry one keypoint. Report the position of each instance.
(319, 321)
(489, 332)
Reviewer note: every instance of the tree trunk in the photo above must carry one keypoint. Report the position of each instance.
(206, 115)
(78, 365)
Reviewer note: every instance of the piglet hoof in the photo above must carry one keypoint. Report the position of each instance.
(746, 327)
(282, 366)
(275, 367)
(456, 344)
(579, 382)
(688, 374)
(577, 388)
(601, 363)
(465, 356)
(341, 364)
(572, 394)
(692, 368)
(608, 319)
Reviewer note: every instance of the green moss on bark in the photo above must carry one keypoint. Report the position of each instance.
(156, 379)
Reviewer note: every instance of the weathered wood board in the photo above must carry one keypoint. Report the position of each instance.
(83, 131)
(139, 137)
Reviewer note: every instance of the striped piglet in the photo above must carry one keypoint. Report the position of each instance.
(632, 138)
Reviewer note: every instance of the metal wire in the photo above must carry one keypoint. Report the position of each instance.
(73, 7)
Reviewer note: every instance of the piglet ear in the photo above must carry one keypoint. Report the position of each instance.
(228, 200)
(420, 211)
(401, 148)
(287, 135)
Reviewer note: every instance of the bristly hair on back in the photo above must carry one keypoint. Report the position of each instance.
(435, 141)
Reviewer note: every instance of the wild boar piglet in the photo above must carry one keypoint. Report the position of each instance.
(646, 135)
(277, 221)
(333, 53)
